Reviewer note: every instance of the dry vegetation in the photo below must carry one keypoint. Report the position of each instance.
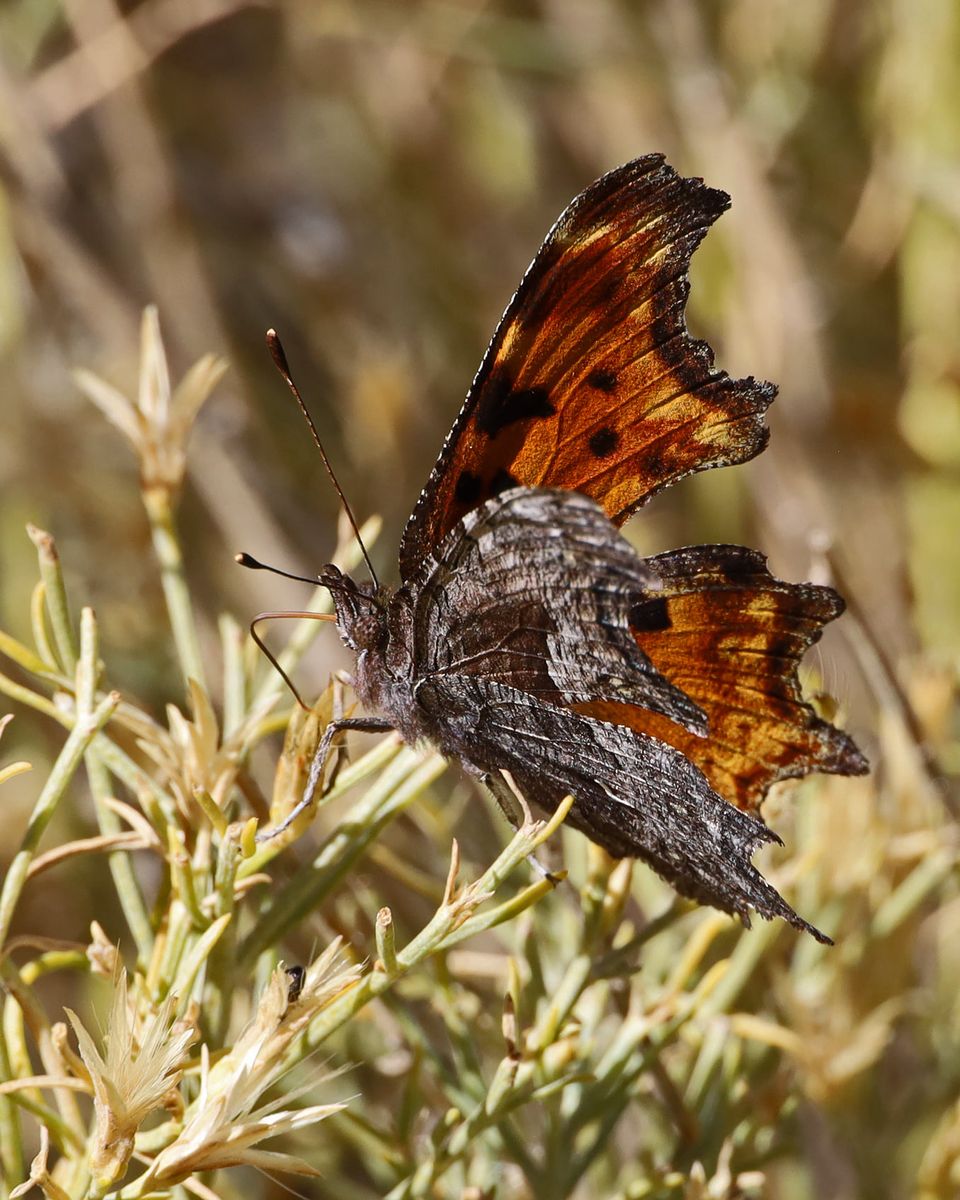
(372, 179)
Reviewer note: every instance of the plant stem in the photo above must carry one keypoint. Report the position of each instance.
(121, 868)
(83, 732)
(56, 597)
(166, 545)
(397, 787)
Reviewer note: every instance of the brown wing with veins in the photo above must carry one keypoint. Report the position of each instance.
(731, 636)
(591, 381)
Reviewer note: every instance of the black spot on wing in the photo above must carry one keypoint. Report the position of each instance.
(501, 481)
(468, 489)
(603, 379)
(604, 442)
(650, 615)
(501, 405)
(740, 567)
(656, 459)
(785, 646)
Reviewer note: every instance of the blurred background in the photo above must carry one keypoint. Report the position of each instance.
(372, 180)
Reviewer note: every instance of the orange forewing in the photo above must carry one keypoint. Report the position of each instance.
(591, 381)
(731, 636)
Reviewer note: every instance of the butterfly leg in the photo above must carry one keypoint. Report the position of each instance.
(338, 725)
(336, 714)
(513, 805)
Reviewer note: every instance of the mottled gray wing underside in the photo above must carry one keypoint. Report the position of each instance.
(537, 589)
(634, 795)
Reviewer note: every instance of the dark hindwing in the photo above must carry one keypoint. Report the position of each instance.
(634, 795)
(591, 381)
(537, 589)
(732, 639)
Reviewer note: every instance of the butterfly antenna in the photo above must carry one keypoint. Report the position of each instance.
(254, 564)
(275, 347)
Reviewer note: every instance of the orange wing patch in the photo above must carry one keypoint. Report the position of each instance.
(591, 381)
(731, 636)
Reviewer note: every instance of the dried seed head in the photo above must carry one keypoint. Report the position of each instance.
(144, 1056)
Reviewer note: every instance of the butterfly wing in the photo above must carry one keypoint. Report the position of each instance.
(698, 647)
(536, 588)
(592, 384)
(731, 636)
(634, 794)
(591, 381)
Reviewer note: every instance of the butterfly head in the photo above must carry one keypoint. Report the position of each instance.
(361, 614)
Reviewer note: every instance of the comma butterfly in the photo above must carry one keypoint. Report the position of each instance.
(527, 636)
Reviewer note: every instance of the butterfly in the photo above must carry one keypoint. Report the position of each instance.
(529, 641)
